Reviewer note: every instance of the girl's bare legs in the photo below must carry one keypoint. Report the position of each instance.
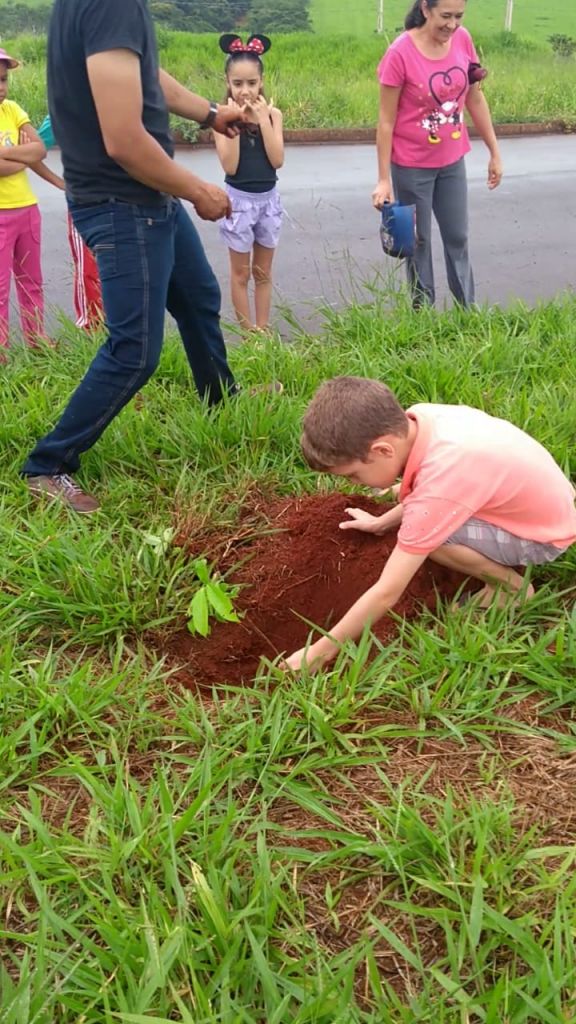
(239, 278)
(262, 274)
(494, 575)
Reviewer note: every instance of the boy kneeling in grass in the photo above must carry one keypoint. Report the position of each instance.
(477, 494)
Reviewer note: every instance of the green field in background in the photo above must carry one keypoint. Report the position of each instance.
(531, 17)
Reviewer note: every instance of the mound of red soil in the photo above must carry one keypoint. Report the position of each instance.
(307, 570)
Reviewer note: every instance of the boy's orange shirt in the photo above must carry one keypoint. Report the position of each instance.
(465, 463)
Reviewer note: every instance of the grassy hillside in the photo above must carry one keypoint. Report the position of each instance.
(526, 83)
(531, 17)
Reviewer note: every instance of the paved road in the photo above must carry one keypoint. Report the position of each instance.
(523, 235)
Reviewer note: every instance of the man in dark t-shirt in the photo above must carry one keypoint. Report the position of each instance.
(110, 103)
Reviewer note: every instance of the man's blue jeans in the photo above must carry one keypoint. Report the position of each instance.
(150, 259)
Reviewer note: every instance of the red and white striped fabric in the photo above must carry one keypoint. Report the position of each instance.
(87, 288)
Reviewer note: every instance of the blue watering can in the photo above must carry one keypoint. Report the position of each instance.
(398, 229)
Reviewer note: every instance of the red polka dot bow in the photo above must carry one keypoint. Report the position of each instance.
(254, 46)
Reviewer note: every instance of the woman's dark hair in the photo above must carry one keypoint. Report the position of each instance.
(415, 17)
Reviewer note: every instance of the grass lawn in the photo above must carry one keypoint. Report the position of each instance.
(526, 83)
(392, 841)
(531, 18)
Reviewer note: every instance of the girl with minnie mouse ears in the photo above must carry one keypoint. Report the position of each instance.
(250, 162)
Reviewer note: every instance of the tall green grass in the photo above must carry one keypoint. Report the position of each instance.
(526, 83)
(392, 841)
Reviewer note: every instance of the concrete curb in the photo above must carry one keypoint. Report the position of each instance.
(364, 136)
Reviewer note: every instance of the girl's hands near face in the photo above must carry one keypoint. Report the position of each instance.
(260, 108)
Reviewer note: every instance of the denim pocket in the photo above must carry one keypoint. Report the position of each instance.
(155, 216)
(96, 227)
(105, 255)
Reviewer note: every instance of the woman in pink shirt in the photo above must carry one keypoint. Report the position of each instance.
(427, 77)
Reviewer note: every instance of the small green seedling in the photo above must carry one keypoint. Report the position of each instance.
(213, 599)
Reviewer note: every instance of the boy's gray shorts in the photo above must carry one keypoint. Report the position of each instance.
(503, 547)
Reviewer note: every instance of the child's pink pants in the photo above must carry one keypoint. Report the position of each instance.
(20, 232)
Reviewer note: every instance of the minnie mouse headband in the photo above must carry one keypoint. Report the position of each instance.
(233, 45)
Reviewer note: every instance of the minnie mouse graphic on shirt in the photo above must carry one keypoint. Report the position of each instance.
(447, 88)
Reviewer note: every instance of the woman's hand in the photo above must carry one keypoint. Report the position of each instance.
(383, 193)
(494, 171)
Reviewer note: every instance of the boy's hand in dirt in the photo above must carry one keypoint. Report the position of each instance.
(362, 520)
(305, 658)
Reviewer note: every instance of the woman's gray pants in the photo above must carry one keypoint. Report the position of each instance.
(441, 191)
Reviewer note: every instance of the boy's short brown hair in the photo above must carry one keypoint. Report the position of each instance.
(345, 416)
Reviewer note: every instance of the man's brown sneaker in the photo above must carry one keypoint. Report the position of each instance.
(65, 489)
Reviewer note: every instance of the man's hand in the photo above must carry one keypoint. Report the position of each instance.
(211, 202)
(228, 118)
(362, 521)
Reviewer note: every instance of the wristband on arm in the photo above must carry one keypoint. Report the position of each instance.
(211, 116)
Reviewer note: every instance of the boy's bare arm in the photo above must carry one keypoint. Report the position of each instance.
(374, 603)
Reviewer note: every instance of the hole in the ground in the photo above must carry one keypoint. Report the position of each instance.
(308, 569)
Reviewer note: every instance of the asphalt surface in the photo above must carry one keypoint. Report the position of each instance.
(523, 235)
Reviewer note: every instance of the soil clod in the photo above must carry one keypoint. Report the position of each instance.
(306, 571)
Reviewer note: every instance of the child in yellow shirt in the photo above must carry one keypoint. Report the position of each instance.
(19, 215)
